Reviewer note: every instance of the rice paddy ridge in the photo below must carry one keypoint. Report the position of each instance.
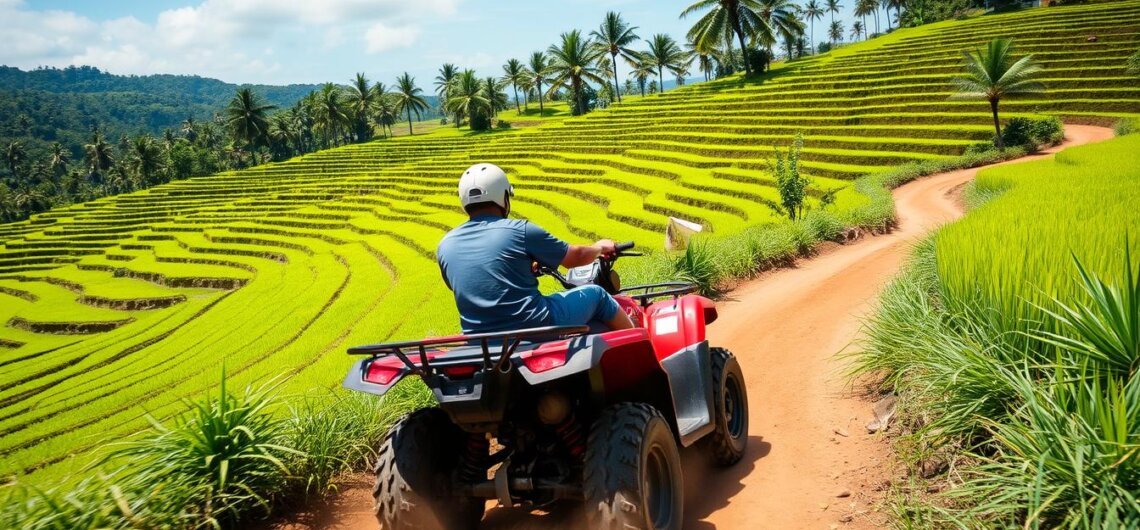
(116, 308)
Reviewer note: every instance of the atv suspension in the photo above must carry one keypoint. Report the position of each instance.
(475, 453)
(571, 433)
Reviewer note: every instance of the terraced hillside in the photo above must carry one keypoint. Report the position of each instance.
(117, 308)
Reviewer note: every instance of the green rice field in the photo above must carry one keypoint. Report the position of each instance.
(119, 308)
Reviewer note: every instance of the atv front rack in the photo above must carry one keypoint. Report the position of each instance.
(507, 342)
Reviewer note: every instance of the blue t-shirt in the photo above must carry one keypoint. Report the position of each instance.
(486, 263)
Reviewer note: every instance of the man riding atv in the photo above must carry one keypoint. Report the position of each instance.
(489, 263)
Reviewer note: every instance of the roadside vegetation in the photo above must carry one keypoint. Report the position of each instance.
(1013, 340)
(113, 307)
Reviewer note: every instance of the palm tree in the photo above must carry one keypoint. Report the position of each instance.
(15, 155)
(246, 117)
(493, 91)
(615, 37)
(887, 5)
(387, 112)
(856, 30)
(781, 20)
(409, 97)
(813, 12)
(282, 133)
(643, 69)
(447, 74)
(833, 7)
(864, 8)
(573, 63)
(98, 155)
(992, 74)
(361, 99)
(515, 73)
(328, 113)
(539, 69)
(189, 129)
(58, 159)
(739, 17)
(706, 60)
(468, 98)
(835, 33)
(665, 53)
(145, 160)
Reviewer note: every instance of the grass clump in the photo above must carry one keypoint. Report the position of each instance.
(1013, 340)
(229, 460)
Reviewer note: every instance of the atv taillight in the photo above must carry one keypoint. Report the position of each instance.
(462, 371)
(546, 357)
(380, 374)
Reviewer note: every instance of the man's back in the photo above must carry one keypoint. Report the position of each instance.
(487, 264)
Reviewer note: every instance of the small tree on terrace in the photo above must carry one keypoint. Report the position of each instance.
(992, 74)
(1134, 63)
(792, 185)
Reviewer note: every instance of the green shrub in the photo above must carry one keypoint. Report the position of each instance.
(502, 124)
(1134, 63)
(1031, 133)
(1127, 126)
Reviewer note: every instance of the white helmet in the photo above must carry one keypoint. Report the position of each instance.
(484, 183)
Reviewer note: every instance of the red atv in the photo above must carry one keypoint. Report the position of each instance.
(535, 416)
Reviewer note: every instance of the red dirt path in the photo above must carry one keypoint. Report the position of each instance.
(808, 443)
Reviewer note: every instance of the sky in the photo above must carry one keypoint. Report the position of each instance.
(313, 41)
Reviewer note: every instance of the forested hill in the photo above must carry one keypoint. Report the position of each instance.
(49, 104)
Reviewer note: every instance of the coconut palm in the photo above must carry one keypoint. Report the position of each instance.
(835, 32)
(409, 97)
(493, 91)
(706, 58)
(281, 135)
(387, 113)
(725, 17)
(833, 7)
(447, 74)
(98, 155)
(247, 118)
(146, 160)
(539, 69)
(329, 116)
(864, 8)
(643, 69)
(615, 36)
(781, 22)
(15, 155)
(665, 53)
(467, 97)
(573, 63)
(811, 13)
(360, 99)
(856, 30)
(515, 73)
(189, 129)
(993, 74)
(58, 159)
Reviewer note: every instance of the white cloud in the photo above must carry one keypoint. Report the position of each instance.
(382, 37)
(235, 40)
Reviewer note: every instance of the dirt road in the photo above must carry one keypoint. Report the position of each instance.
(810, 461)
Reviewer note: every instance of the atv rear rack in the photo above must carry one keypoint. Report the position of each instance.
(510, 341)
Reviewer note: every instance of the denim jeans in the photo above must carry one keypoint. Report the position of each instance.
(582, 305)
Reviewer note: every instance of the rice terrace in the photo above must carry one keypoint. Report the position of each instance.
(918, 221)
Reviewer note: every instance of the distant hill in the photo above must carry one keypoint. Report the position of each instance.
(50, 104)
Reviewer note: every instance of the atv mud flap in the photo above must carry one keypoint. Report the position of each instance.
(690, 379)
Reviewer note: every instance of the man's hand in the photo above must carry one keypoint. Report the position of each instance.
(579, 255)
(606, 248)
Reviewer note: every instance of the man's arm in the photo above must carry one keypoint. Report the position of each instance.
(579, 255)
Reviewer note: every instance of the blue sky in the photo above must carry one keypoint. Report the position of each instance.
(296, 41)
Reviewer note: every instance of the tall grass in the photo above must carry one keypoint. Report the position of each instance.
(230, 459)
(1013, 338)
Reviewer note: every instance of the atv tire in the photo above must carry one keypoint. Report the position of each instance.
(414, 476)
(632, 475)
(726, 444)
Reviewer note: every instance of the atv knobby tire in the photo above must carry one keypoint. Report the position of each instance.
(632, 475)
(726, 444)
(414, 476)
